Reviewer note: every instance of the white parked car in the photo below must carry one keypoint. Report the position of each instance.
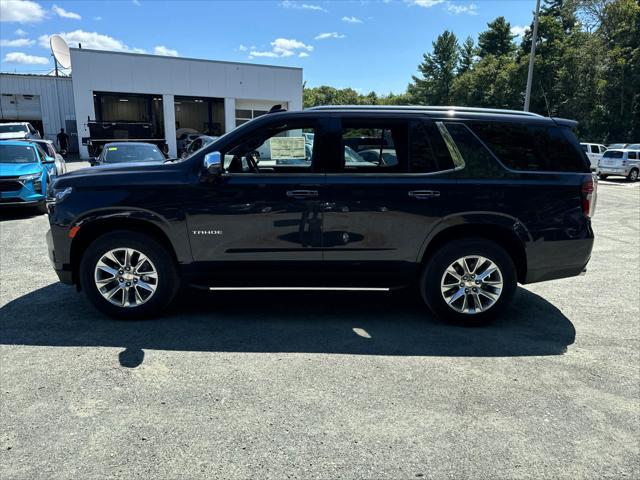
(50, 148)
(620, 162)
(18, 131)
(594, 152)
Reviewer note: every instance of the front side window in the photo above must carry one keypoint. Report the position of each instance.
(633, 156)
(17, 154)
(277, 149)
(595, 149)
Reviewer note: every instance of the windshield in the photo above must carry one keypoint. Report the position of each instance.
(616, 145)
(13, 129)
(613, 154)
(17, 154)
(634, 146)
(132, 153)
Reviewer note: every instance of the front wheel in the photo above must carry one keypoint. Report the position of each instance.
(602, 177)
(128, 275)
(633, 175)
(469, 281)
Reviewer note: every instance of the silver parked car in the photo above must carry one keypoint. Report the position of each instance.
(620, 162)
(50, 149)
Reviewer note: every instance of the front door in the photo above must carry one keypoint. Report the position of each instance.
(261, 220)
(385, 198)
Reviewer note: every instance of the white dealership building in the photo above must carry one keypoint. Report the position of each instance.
(172, 94)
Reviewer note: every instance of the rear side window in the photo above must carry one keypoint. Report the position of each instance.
(633, 156)
(533, 147)
(613, 154)
(595, 149)
(374, 147)
(427, 149)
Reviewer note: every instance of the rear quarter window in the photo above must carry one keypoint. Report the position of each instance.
(533, 147)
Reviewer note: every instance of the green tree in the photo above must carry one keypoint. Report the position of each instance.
(438, 70)
(497, 40)
(467, 55)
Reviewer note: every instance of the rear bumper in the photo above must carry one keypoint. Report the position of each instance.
(623, 171)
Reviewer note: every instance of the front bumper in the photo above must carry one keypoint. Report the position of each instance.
(25, 195)
(63, 270)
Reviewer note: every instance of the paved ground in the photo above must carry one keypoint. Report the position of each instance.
(324, 385)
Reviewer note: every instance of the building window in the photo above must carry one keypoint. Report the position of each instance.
(245, 114)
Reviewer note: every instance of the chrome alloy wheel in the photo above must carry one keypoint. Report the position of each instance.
(126, 277)
(471, 284)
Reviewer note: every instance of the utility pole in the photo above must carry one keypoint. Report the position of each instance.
(534, 39)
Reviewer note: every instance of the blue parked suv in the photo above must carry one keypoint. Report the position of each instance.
(25, 173)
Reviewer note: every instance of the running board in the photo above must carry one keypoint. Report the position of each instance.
(333, 289)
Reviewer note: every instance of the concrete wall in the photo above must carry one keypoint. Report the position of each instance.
(168, 76)
(56, 107)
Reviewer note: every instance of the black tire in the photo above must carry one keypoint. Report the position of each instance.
(633, 175)
(42, 208)
(437, 264)
(168, 281)
(602, 177)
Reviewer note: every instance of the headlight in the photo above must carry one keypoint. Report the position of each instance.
(28, 178)
(59, 195)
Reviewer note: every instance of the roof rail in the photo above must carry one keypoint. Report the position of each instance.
(426, 108)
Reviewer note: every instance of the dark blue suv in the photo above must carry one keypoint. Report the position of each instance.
(464, 202)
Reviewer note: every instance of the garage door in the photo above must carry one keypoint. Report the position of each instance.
(24, 108)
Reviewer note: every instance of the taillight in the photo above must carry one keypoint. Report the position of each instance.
(589, 195)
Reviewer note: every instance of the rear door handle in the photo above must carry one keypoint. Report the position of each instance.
(422, 194)
(302, 193)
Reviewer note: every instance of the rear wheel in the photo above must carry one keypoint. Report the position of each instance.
(128, 275)
(602, 177)
(469, 281)
(633, 175)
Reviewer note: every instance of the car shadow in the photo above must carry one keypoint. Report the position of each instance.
(310, 322)
(18, 213)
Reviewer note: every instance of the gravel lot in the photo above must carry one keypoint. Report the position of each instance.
(307, 386)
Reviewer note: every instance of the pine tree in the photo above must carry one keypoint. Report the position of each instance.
(497, 40)
(467, 55)
(438, 71)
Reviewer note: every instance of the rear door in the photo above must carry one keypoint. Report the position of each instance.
(386, 191)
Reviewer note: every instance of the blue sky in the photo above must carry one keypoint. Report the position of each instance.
(366, 45)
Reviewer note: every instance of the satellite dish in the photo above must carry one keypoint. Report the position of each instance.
(60, 51)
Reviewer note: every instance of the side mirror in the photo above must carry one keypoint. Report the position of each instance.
(213, 163)
(48, 159)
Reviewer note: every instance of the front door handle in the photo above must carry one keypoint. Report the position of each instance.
(302, 193)
(422, 194)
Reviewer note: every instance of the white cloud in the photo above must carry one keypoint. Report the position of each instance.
(23, 58)
(91, 40)
(21, 33)
(242, 48)
(61, 12)
(424, 3)
(302, 6)
(519, 31)
(471, 9)
(18, 42)
(21, 11)
(162, 50)
(323, 36)
(303, 54)
(351, 20)
(283, 47)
